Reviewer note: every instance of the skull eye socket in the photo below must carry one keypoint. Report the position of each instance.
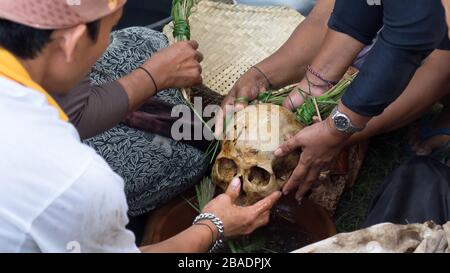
(283, 167)
(227, 168)
(258, 176)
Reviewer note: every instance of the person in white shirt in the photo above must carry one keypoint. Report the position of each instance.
(56, 194)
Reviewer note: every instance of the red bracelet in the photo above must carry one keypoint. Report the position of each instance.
(329, 83)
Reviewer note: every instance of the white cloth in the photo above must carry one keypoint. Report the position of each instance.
(387, 238)
(56, 194)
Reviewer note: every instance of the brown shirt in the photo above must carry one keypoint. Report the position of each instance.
(95, 109)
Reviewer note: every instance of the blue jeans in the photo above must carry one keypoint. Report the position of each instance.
(302, 6)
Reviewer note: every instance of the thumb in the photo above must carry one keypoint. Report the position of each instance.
(293, 100)
(316, 119)
(234, 189)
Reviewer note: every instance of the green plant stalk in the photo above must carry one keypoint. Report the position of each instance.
(232, 247)
(325, 103)
(205, 192)
(181, 10)
(307, 111)
(275, 97)
(192, 205)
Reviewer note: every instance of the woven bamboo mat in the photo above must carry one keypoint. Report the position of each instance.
(234, 37)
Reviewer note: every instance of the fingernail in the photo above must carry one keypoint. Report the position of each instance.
(299, 200)
(285, 192)
(239, 107)
(218, 135)
(278, 152)
(235, 183)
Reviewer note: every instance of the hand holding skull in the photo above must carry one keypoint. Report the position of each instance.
(240, 220)
(320, 144)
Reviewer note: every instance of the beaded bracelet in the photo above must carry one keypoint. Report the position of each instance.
(313, 72)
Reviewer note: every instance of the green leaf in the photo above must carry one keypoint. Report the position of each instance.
(205, 192)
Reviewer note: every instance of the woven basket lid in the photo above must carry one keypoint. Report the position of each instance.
(234, 37)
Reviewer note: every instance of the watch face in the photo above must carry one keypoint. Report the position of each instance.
(342, 123)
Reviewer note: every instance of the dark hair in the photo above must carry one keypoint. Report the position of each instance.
(26, 42)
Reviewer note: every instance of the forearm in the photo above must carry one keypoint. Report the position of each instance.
(288, 64)
(380, 82)
(395, 57)
(331, 64)
(196, 239)
(95, 109)
(425, 88)
(336, 56)
(350, 29)
(139, 87)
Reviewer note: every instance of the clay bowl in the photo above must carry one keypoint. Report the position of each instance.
(307, 218)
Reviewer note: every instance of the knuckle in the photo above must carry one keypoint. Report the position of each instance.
(248, 231)
(297, 138)
(247, 226)
(306, 159)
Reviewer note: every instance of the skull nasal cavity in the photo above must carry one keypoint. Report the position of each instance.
(227, 168)
(259, 176)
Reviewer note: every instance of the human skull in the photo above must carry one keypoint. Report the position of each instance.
(250, 139)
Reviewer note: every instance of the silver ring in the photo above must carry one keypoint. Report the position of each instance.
(324, 175)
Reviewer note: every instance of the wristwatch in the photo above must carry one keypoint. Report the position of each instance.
(343, 123)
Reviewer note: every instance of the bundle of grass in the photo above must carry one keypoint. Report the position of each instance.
(181, 10)
(204, 192)
(313, 106)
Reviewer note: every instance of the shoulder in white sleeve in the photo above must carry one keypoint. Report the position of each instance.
(90, 216)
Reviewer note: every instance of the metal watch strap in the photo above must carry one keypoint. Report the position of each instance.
(351, 128)
(219, 225)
